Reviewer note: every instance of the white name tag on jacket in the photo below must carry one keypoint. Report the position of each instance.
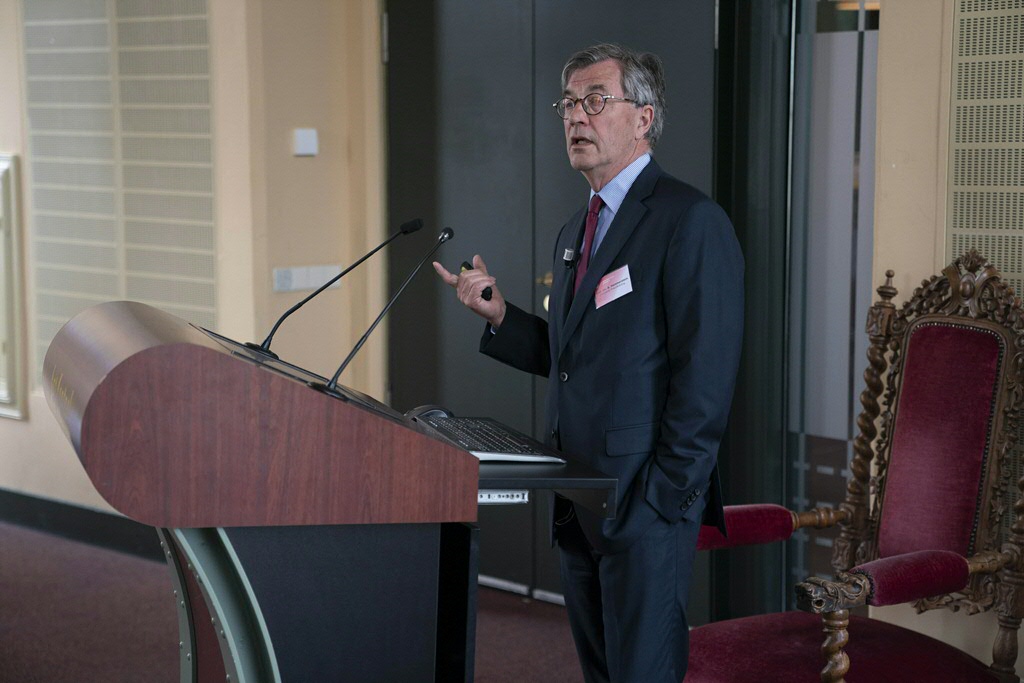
(612, 286)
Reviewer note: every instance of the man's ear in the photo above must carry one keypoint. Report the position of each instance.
(646, 119)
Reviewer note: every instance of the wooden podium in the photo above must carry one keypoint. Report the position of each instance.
(312, 537)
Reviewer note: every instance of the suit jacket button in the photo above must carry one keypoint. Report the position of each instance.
(564, 376)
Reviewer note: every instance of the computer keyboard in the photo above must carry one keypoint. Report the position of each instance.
(490, 440)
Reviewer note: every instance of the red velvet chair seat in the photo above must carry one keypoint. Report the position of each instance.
(773, 648)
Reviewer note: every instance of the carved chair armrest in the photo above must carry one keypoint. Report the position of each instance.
(821, 596)
(889, 581)
(991, 561)
(819, 518)
(755, 524)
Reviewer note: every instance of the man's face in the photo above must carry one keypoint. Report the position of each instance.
(601, 145)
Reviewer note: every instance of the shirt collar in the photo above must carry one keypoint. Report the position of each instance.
(615, 191)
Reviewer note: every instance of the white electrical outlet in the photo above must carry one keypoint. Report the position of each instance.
(299, 278)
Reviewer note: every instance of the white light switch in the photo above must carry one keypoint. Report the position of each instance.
(304, 142)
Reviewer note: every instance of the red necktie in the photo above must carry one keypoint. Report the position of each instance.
(588, 239)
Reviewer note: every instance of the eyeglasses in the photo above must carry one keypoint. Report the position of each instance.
(593, 104)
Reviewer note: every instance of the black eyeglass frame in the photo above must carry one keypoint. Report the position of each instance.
(564, 110)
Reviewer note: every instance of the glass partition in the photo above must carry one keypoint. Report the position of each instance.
(12, 383)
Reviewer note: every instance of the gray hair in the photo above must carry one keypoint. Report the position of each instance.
(643, 78)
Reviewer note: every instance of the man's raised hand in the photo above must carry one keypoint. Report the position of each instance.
(469, 286)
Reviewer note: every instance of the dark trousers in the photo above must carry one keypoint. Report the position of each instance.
(627, 610)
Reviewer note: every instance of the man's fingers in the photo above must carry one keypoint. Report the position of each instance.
(484, 284)
(449, 278)
(478, 264)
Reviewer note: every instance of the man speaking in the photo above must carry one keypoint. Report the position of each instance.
(641, 348)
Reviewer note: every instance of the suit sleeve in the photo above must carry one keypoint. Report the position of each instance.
(521, 341)
(703, 307)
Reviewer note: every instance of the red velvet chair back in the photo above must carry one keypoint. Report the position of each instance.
(941, 436)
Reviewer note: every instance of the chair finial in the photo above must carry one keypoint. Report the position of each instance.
(881, 313)
(887, 291)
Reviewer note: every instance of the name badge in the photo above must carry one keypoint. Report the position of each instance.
(612, 286)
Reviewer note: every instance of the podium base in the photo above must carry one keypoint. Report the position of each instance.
(379, 602)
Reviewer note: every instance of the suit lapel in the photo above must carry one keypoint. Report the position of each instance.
(619, 232)
(570, 240)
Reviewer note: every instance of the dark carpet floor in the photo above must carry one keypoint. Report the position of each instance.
(75, 613)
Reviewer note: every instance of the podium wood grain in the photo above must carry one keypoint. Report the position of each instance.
(176, 431)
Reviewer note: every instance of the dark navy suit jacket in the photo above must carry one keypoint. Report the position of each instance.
(641, 387)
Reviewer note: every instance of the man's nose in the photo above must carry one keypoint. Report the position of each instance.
(576, 114)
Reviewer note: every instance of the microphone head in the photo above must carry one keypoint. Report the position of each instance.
(411, 226)
(446, 234)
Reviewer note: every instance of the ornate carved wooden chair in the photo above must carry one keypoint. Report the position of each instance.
(933, 513)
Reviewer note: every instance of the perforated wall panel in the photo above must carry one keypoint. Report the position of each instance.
(120, 157)
(985, 195)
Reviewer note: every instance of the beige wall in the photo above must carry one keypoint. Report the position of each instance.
(275, 66)
(914, 45)
(316, 64)
(914, 58)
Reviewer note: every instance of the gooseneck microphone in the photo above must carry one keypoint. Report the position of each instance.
(404, 229)
(332, 386)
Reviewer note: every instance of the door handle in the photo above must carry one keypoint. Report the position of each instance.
(546, 280)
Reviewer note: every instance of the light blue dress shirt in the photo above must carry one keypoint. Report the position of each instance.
(613, 194)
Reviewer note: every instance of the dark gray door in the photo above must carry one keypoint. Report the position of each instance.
(474, 144)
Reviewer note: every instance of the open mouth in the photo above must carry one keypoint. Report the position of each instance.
(577, 141)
